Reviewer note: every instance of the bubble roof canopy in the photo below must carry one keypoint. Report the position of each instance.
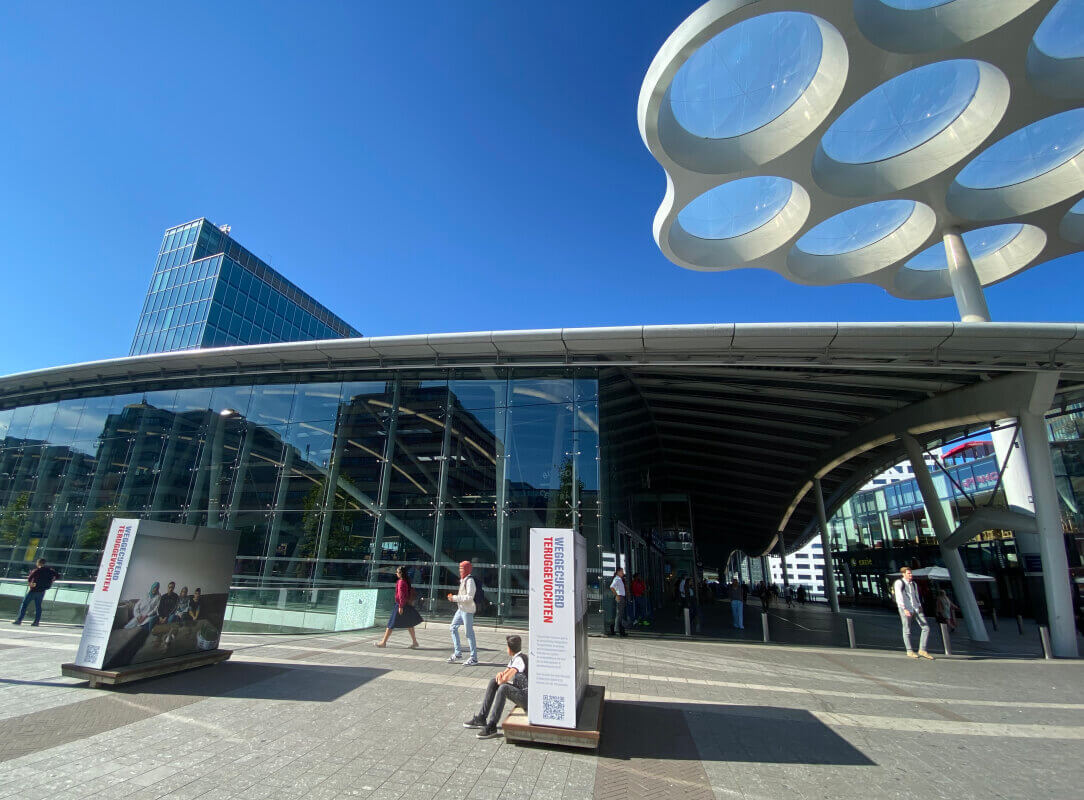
(869, 108)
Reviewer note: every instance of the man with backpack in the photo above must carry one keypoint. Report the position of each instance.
(464, 615)
(508, 684)
(905, 592)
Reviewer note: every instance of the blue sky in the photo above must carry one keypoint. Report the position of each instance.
(470, 166)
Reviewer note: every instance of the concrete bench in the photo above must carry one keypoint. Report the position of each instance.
(148, 669)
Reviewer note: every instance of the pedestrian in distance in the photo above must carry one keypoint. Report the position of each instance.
(464, 615)
(620, 594)
(38, 582)
(508, 684)
(766, 597)
(905, 590)
(946, 610)
(404, 615)
(736, 605)
(687, 598)
(641, 602)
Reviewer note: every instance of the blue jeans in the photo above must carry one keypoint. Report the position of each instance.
(36, 597)
(736, 611)
(466, 619)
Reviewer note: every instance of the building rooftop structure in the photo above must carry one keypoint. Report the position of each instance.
(930, 147)
(208, 291)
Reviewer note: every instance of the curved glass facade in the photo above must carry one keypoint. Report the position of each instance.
(330, 482)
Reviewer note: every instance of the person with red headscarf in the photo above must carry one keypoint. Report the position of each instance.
(464, 615)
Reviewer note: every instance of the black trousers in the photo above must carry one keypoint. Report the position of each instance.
(496, 694)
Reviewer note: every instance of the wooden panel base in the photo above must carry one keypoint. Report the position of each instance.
(586, 733)
(149, 669)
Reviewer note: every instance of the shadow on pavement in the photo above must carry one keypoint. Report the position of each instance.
(323, 684)
(712, 732)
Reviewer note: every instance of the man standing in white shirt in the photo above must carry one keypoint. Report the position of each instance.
(617, 587)
(909, 604)
(464, 615)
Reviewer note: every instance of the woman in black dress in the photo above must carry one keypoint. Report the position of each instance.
(404, 615)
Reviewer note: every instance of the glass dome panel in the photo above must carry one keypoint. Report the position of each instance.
(1078, 207)
(1027, 153)
(735, 208)
(902, 113)
(980, 242)
(1061, 33)
(746, 76)
(915, 5)
(856, 228)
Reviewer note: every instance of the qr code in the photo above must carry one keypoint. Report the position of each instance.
(553, 706)
(92, 651)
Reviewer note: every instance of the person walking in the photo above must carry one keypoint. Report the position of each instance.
(404, 615)
(464, 615)
(737, 605)
(620, 594)
(766, 597)
(905, 590)
(38, 581)
(508, 684)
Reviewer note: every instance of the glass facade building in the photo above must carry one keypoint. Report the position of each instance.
(331, 482)
(209, 291)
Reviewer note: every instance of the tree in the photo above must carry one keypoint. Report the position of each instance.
(14, 518)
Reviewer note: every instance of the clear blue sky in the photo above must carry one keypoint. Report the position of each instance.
(468, 166)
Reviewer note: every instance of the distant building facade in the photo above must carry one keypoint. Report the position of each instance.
(209, 291)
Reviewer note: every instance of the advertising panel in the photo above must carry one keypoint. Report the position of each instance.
(161, 592)
(356, 609)
(557, 673)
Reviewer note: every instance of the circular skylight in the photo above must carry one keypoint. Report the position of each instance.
(1061, 34)
(903, 113)
(856, 228)
(915, 5)
(735, 208)
(746, 76)
(979, 243)
(1027, 153)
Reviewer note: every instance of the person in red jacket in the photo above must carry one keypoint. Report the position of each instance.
(641, 606)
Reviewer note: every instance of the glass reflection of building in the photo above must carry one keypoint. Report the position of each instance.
(209, 291)
(879, 530)
(331, 483)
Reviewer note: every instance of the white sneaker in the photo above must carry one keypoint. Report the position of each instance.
(454, 658)
(471, 662)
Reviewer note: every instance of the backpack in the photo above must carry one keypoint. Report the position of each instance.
(481, 602)
(520, 679)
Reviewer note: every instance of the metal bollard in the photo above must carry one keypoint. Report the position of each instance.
(688, 626)
(1044, 637)
(1020, 624)
(850, 633)
(764, 624)
(945, 639)
(993, 617)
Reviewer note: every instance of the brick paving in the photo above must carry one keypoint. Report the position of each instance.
(330, 716)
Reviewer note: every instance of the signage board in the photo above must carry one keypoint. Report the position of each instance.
(557, 672)
(161, 592)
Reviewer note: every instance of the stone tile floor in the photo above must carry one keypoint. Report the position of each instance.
(330, 716)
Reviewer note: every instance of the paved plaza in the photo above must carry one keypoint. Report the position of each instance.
(331, 716)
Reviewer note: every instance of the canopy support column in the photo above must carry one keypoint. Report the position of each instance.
(976, 629)
(966, 286)
(826, 549)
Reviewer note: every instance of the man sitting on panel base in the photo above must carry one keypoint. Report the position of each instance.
(508, 684)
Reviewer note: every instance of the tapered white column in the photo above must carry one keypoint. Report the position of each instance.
(966, 286)
(826, 549)
(1058, 592)
(936, 513)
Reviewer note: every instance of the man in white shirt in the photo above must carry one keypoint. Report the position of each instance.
(617, 588)
(905, 590)
(464, 615)
(509, 684)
